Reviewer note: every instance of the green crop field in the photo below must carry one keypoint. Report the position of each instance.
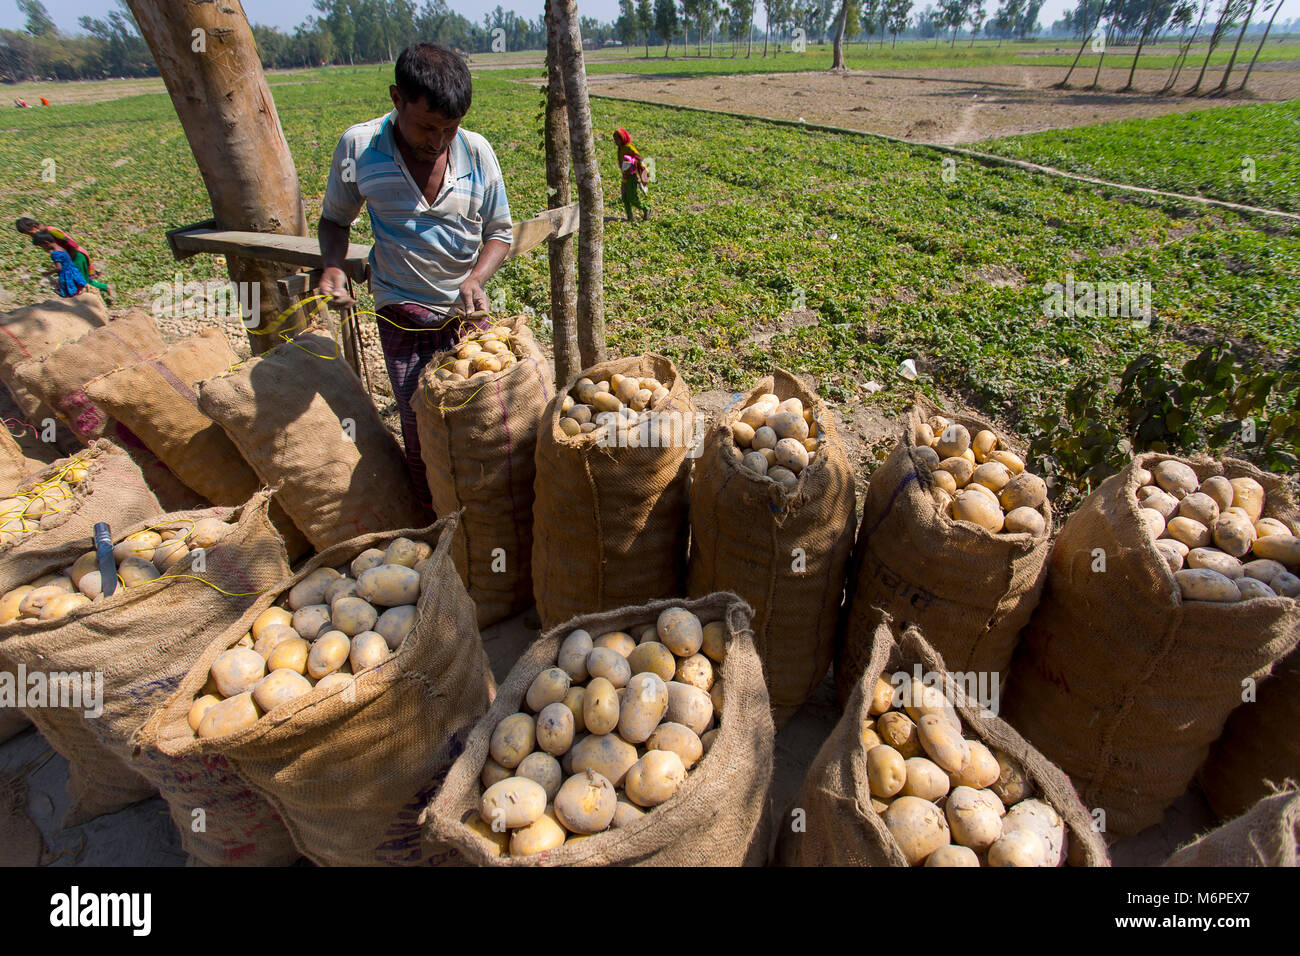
(835, 255)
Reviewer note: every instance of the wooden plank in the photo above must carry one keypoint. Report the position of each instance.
(273, 247)
(551, 224)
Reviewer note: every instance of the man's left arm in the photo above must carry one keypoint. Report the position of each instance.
(498, 234)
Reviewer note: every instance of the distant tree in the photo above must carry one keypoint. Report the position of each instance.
(1277, 5)
(975, 15)
(39, 23)
(1184, 47)
(625, 26)
(1147, 25)
(896, 13)
(1227, 70)
(666, 22)
(953, 13)
(837, 53)
(645, 20)
(1228, 14)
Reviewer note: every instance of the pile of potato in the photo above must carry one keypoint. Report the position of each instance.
(778, 439)
(1213, 535)
(23, 511)
(977, 481)
(619, 400)
(609, 733)
(947, 800)
(141, 557)
(480, 356)
(328, 628)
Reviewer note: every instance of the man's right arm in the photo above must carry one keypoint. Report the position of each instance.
(340, 208)
(334, 251)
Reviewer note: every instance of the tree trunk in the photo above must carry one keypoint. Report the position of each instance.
(564, 290)
(1146, 28)
(1215, 36)
(1096, 78)
(1227, 70)
(1176, 70)
(1276, 7)
(229, 118)
(837, 62)
(591, 229)
(766, 30)
(749, 49)
(1065, 83)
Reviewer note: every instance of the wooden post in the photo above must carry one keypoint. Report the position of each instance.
(591, 229)
(564, 291)
(208, 60)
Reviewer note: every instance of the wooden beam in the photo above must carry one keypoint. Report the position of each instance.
(550, 224)
(269, 246)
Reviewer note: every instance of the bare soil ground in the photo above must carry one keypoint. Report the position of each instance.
(948, 105)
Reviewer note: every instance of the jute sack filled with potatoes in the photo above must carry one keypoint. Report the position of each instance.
(1129, 668)
(172, 597)
(1259, 749)
(918, 773)
(478, 439)
(611, 517)
(692, 792)
(781, 548)
(934, 550)
(1267, 835)
(343, 719)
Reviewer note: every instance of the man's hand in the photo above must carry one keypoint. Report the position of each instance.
(472, 296)
(334, 283)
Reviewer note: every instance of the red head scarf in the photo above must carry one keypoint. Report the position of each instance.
(622, 137)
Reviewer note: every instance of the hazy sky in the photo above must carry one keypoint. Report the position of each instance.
(289, 13)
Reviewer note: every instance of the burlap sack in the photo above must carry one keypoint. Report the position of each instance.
(1269, 835)
(840, 828)
(969, 590)
(718, 817)
(59, 378)
(1259, 750)
(348, 772)
(14, 465)
(35, 331)
(610, 524)
(1121, 682)
(301, 417)
(157, 401)
(140, 642)
(478, 442)
(783, 552)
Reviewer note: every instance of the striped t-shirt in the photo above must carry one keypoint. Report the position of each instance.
(422, 253)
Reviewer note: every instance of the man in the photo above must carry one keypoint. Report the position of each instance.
(439, 215)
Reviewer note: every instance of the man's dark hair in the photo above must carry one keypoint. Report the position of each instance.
(436, 74)
(43, 237)
(25, 225)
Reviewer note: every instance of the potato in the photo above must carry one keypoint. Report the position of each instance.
(1158, 500)
(368, 649)
(279, 687)
(1263, 569)
(62, 605)
(952, 855)
(1018, 848)
(541, 767)
(1012, 785)
(1023, 491)
(1039, 817)
(235, 671)
(689, 706)
(82, 566)
(1189, 531)
(1251, 589)
(586, 802)
(654, 778)
(783, 476)
(290, 654)
(925, 779)
(311, 589)
(953, 441)
(755, 416)
(272, 615)
(572, 658)
(981, 772)
(917, 826)
(927, 457)
(626, 813)
(1152, 522)
(573, 700)
(1248, 493)
(696, 671)
(755, 462)
(396, 623)
(960, 469)
(743, 434)
(983, 445)
(1283, 548)
(492, 773)
(200, 707)
(1215, 560)
(230, 715)
(642, 708)
(918, 699)
(653, 658)
(1202, 584)
(311, 620)
(886, 771)
(340, 589)
(899, 731)
(977, 509)
(617, 641)
(1024, 521)
(36, 599)
(328, 653)
(680, 631)
(1176, 478)
(208, 532)
(1009, 458)
(1265, 527)
(511, 803)
(944, 745)
(406, 552)
(600, 706)
(792, 454)
(992, 475)
(272, 637)
(716, 694)
(678, 738)
(352, 616)
(882, 698)
(787, 425)
(608, 754)
(1234, 534)
(548, 687)
(541, 835)
(555, 728)
(370, 558)
(12, 602)
(512, 740)
(972, 822)
(1199, 507)
(500, 842)
(1220, 489)
(609, 664)
(139, 545)
(389, 585)
(1286, 584)
(605, 402)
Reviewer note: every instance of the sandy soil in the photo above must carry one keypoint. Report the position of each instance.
(943, 105)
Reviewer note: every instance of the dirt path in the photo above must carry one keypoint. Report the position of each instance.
(948, 105)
